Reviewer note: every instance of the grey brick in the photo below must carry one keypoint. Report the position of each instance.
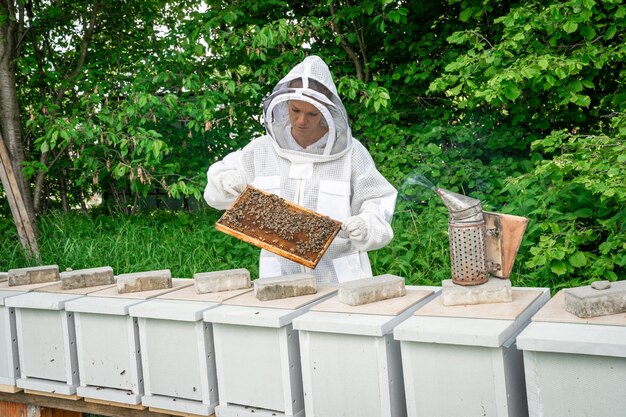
(495, 290)
(369, 290)
(144, 281)
(286, 286)
(83, 278)
(33, 275)
(227, 280)
(590, 302)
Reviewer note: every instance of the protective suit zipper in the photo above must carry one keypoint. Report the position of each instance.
(299, 198)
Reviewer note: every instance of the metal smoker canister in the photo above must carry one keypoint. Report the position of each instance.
(466, 230)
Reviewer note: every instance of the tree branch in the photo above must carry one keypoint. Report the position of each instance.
(344, 44)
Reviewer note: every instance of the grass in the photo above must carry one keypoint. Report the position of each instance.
(182, 242)
(187, 243)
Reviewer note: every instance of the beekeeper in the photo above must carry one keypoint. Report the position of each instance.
(310, 158)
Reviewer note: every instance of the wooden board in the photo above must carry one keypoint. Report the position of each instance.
(73, 397)
(177, 283)
(115, 404)
(176, 413)
(9, 388)
(77, 406)
(554, 312)
(4, 286)
(248, 299)
(389, 307)
(279, 226)
(58, 288)
(522, 298)
(190, 294)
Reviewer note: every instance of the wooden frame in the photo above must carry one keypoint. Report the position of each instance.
(273, 240)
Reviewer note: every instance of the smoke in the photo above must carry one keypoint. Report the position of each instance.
(416, 188)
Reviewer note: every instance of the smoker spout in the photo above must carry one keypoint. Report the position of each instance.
(461, 209)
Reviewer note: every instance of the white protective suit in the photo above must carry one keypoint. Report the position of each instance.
(338, 179)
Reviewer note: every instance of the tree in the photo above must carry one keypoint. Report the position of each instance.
(12, 150)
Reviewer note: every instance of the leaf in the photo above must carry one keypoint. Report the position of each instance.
(588, 32)
(558, 268)
(466, 14)
(433, 149)
(570, 26)
(578, 260)
(610, 32)
(511, 91)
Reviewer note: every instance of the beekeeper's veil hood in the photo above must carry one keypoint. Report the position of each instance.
(309, 81)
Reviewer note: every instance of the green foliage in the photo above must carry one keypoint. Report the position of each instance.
(520, 104)
(577, 201)
(419, 251)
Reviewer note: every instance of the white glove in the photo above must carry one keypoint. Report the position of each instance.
(356, 227)
(233, 182)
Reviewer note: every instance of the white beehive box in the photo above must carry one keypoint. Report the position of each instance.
(9, 362)
(574, 367)
(9, 359)
(351, 365)
(462, 360)
(257, 354)
(46, 341)
(109, 356)
(177, 351)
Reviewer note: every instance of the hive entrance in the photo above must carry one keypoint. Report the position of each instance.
(279, 226)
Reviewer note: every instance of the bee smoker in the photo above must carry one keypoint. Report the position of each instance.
(481, 243)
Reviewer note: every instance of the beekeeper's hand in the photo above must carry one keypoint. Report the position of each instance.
(233, 182)
(356, 228)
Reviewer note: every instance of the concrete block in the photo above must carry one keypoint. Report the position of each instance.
(4, 276)
(144, 281)
(369, 290)
(83, 278)
(495, 290)
(227, 280)
(601, 298)
(33, 275)
(275, 288)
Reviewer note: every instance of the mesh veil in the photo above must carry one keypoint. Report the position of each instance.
(315, 86)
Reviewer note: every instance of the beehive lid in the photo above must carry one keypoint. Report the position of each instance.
(189, 294)
(177, 283)
(554, 311)
(172, 309)
(489, 325)
(102, 305)
(6, 294)
(373, 319)
(246, 310)
(40, 300)
(279, 226)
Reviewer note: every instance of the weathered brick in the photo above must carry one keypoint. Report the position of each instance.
(144, 281)
(33, 275)
(286, 286)
(369, 290)
(588, 301)
(83, 278)
(227, 280)
(495, 290)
